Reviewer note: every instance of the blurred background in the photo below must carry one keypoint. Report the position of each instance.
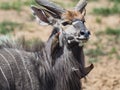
(103, 48)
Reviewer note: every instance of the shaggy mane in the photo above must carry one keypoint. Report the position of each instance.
(22, 44)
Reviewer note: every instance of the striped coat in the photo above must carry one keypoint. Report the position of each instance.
(17, 70)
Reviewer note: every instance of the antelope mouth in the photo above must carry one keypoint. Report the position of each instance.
(80, 40)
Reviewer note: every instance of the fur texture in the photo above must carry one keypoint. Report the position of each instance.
(59, 68)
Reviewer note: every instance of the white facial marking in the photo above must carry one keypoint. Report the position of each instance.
(70, 30)
(69, 41)
(75, 22)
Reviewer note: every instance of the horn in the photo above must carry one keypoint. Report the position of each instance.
(81, 5)
(87, 70)
(51, 6)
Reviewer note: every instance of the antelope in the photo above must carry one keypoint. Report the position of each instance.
(57, 64)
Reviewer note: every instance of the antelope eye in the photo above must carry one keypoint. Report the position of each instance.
(66, 23)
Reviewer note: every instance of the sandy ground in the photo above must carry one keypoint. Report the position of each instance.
(105, 76)
(106, 73)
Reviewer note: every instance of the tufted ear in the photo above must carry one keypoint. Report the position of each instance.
(43, 16)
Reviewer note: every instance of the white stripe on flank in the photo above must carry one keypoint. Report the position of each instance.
(25, 68)
(5, 78)
(13, 59)
(8, 65)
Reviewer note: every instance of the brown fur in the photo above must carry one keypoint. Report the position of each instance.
(70, 15)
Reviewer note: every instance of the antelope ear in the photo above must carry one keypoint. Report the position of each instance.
(44, 17)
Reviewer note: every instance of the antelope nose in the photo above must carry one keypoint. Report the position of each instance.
(85, 33)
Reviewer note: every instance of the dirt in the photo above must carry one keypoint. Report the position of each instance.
(106, 72)
(105, 76)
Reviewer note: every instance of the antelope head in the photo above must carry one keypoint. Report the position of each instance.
(70, 23)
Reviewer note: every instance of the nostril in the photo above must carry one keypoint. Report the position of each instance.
(82, 32)
(89, 33)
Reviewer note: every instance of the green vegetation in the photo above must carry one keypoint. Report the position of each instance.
(93, 60)
(11, 5)
(29, 2)
(115, 9)
(95, 52)
(116, 1)
(16, 5)
(113, 50)
(7, 27)
(118, 57)
(101, 11)
(99, 33)
(94, 0)
(107, 11)
(111, 31)
(69, 4)
(98, 20)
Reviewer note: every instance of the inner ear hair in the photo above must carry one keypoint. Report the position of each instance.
(52, 14)
(44, 16)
